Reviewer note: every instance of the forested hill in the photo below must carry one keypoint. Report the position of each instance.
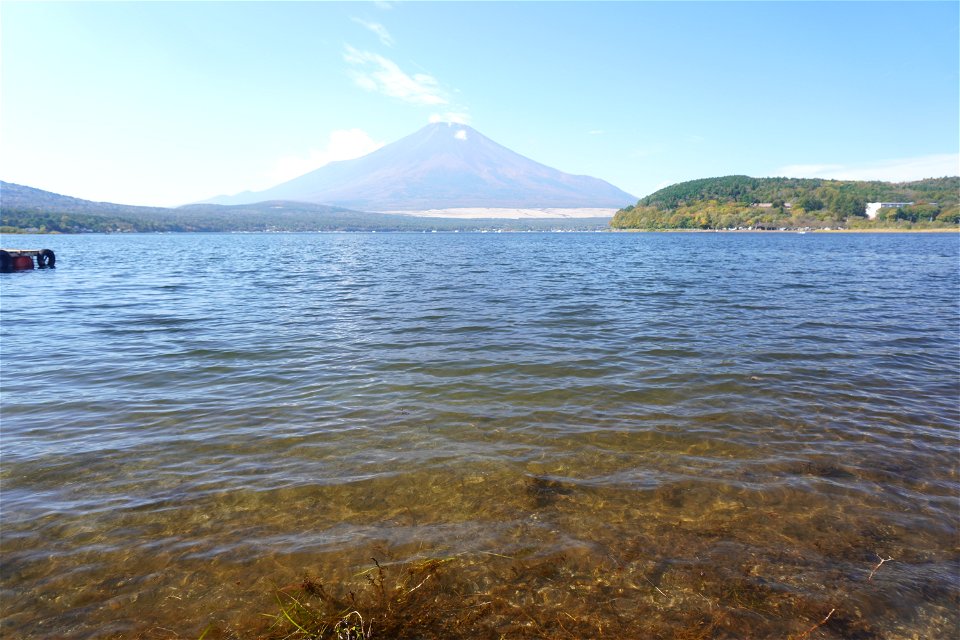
(742, 201)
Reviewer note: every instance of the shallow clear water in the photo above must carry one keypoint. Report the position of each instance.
(189, 421)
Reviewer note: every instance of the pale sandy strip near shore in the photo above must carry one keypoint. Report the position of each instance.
(467, 213)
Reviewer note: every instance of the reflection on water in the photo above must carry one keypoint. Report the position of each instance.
(719, 434)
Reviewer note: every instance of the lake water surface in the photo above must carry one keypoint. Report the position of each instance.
(713, 432)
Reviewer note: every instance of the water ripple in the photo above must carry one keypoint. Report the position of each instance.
(207, 409)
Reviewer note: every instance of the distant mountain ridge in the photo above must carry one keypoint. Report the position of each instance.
(29, 210)
(441, 166)
(18, 197)
(23, 207)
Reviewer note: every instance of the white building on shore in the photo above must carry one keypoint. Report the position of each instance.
(874, 207)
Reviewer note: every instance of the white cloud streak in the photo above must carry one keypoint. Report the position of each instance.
(373, 72)
(892, 170)
(381, 31)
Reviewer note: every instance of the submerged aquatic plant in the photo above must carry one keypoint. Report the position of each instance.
(555, 598)
(591, 592)
(307, 610)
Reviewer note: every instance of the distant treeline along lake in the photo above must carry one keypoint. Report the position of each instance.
(731, 202)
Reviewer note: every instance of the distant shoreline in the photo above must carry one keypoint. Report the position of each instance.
(957, 230)
(456, 230)
(508, 213)
(886, 230)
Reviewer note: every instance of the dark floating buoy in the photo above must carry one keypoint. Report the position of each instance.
(46, 258)
(22, 259)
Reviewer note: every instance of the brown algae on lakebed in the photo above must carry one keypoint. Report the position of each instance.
(692, 559)
(619, 591)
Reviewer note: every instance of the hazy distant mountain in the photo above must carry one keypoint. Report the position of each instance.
(18, 197)
(441, 166)
(29, 210)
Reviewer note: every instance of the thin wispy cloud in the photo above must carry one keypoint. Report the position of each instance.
(376, 73)
(892, 170)
(378, 29)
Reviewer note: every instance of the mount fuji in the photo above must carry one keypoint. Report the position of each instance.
(441, 166)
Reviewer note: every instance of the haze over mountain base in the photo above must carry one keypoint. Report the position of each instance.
(442, 166)
(487, 213)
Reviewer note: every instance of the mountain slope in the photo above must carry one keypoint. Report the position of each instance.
(442, 166)
(17, 197)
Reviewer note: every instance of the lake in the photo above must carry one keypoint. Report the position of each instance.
(630, 434)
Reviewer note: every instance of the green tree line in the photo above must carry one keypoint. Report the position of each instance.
(768, 203)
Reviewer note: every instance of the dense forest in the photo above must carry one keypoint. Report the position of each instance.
(733, 202)
(28, 210)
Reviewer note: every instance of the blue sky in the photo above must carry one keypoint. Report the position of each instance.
(171, 102)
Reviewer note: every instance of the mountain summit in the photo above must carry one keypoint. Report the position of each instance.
(441, 166)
